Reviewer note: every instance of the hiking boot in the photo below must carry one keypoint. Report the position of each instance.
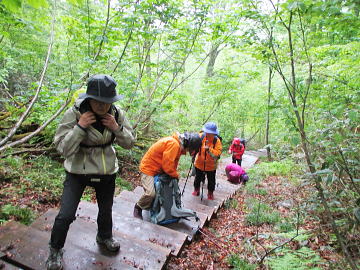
(137, 211)
(196, 192)
(54, 262)
(210, 195)
(110, 243)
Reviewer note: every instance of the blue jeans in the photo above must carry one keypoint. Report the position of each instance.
(74, 186)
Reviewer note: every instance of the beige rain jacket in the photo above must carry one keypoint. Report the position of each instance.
(93, 160)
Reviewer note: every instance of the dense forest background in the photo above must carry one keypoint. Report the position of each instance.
(284, 75)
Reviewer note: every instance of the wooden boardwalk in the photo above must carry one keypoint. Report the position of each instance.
(144, 245)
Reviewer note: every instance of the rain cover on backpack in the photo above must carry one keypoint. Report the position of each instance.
(166, 207)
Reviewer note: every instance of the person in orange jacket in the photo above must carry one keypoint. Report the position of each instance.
(206, 159)
(163, 157)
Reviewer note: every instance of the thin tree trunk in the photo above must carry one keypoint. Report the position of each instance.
(214, 52)
(268, 150)
(27, 111)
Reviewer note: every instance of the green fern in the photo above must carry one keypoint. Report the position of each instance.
(301, 259)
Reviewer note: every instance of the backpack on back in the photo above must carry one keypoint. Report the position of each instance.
(215, 138)
(243, 141)
(166, 207)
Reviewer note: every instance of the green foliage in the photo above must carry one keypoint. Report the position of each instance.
(231, 203)
(253, 190)
(285, 226)
(23, 215)
(40, 175)
(260, 213)
(240, 264)
(123, 184)
(275, 168)
(303, 258)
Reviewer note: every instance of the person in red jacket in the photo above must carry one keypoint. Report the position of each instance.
(163, 157)
(237, 150)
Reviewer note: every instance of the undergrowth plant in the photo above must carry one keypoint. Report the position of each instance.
(21, 214)
(301, 259)
(260, 213)
(240, 264)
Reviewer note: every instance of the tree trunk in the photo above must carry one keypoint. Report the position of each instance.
(212, 58)
(268, 151)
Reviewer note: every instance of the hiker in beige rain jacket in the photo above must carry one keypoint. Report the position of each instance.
(84, 137)
(72, 142)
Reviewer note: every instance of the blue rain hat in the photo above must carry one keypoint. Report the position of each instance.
(210, 128)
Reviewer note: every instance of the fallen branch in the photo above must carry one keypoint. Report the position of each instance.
(27, 111)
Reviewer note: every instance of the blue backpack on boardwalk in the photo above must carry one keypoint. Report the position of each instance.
(166, 207)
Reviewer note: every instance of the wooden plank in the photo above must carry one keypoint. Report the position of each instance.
(220, 195)
(221, 191)
(198, 208)
(167, 239)
(135, 252)
(190, 227)
(28, 246)
(8, 266)
(134, 197)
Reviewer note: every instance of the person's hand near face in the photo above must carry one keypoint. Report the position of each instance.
(109, 121)
(86, 119)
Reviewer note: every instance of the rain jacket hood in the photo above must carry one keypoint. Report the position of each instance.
(91, 160)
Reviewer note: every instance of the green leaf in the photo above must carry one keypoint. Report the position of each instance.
(37, 3)
(76, 2)
(12, 5)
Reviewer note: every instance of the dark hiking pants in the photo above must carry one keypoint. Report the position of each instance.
(200, 177)
(234, 160)
(74, 186)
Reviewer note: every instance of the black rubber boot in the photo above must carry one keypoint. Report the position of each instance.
(110, 243)
(137, 212)
(54, 262)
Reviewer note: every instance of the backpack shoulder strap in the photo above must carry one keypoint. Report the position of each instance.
(215, 140)
(116, 113)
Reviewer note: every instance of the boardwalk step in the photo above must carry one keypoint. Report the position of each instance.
(145, 231)
(134, 252)
(197, 207)
(190, 227)
(28, 246)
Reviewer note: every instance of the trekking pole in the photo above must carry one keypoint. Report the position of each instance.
(187, 177)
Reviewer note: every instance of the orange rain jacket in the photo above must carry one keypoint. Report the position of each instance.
(162, 157)
(206, 160)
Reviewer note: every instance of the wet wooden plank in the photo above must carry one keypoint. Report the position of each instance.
(165, 238)
(134, 252)
(190, 227)
(29, 247)
(134, 197)
(220, 195)
(7, 266)
(221, 190)
(198, 208)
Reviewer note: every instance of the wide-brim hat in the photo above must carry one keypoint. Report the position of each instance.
(210, 128)
(101, 88)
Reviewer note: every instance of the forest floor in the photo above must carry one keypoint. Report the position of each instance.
(230, 234)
